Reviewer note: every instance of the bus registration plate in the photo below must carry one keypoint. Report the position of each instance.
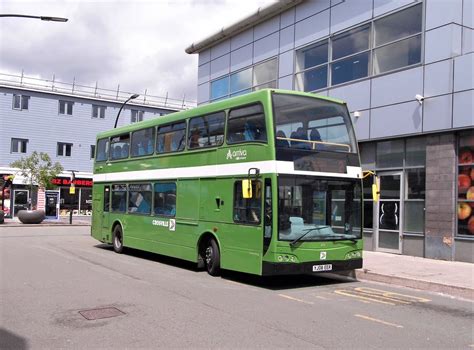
(319, 268)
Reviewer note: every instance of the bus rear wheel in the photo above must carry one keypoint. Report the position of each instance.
(117, 239)
(212, 258)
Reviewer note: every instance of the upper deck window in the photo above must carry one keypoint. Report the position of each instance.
(102, 150)
(206, 131)
(246, 124)
(143, 142)
(120, 147)
(171, 138)
(313, 124)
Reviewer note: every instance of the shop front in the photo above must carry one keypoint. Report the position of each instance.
(80, 202)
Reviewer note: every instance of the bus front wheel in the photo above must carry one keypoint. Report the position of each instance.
(117, 239)
(212, 258)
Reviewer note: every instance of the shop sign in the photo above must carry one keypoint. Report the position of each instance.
(63, 181)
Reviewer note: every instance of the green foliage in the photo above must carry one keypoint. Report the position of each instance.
(38, 168)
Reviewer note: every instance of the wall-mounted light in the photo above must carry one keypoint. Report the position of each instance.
(356, 114)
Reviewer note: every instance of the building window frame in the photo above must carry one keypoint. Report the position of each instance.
(136, 115)
(20, 102)
(92, 153)
(64, 149)
(98, 112)
(65, 107)
(18, 145)
(299, 74)
(254, 84)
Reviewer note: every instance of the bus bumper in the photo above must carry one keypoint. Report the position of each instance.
(270, 268)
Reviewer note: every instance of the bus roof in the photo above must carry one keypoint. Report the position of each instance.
(209, 108)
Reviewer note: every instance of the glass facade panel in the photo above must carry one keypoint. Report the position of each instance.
(351, 42)
(398, 25)
(367, 155)
(390, 154)
(389, 240)
(414, 216)
(241, 81)
(265, 72)
(354, 67)
(397, 55)
(219, 88)
(415, 183)
(313, 79)
(415, 151)
(390, 187)
(312, 56)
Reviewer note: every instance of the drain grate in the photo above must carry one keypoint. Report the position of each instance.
(99, 313)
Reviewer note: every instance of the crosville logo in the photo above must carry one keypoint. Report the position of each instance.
(239, 154)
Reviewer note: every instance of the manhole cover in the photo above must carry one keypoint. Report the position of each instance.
(97, 314)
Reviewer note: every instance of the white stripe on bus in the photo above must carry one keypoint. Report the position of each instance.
(265, 167)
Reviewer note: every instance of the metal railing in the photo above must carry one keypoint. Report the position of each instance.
(97, 92)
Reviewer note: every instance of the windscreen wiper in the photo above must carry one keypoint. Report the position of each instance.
(292, 243)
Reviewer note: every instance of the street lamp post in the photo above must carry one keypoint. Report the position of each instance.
(43, 18)
(134, 96)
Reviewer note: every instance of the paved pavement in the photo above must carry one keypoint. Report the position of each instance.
(62, 221)
(447, 277)
(60, 288)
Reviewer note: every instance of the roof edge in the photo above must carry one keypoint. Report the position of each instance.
(262, 14)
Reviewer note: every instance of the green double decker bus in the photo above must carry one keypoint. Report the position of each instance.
(265, 183)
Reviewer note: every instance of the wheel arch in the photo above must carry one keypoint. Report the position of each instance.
(201, 243)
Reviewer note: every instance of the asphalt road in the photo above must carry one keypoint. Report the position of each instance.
(49, 274)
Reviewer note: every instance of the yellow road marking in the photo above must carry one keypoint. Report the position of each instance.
(392, 295)
(349, 294)
(378, 321)
(381, 296)
(296, 299)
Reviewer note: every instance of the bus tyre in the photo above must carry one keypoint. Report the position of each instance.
(212, 258)
(117, 239)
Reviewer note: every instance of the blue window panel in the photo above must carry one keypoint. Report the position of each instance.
(220, 88)
(354, 67)
(316, 79)
(313, 56)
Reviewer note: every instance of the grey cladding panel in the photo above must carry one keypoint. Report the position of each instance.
(442, 43)
(441, 12)
(309, 8)
(438, 78)
(312, 28)
(287, 38)
(463, 69)
(220, 66)
(397, 87)
(400, 119)
(241, 58)
(383, 6)
(266, 47)
(266, 28)
(463, 113)
(357, 95)
(349, 13)
(437, 113)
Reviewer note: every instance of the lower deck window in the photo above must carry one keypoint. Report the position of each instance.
(119, 198)
(165, 199)
(248, 210)
(139, 198)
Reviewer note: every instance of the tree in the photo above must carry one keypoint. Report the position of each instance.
(38, 169)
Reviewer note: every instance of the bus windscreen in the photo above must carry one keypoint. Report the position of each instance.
(312, 124)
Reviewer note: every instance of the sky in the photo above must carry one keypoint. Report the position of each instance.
(137, 44)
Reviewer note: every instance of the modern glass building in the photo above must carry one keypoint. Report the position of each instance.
(404, 67)
(62, 120)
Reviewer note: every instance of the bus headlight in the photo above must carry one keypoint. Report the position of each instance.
(357, 254)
